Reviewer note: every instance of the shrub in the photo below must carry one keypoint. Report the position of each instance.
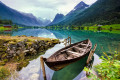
(109, 69)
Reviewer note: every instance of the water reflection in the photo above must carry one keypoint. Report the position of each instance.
(7, 31)
(107, 42)
(35, 32)
(33, 71)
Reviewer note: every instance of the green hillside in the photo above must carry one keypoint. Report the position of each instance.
(102, 12)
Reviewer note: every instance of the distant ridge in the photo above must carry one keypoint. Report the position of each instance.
(57, 19)
(17, 17)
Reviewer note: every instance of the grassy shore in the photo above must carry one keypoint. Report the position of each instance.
(3, 29)
(19, 38)
(29, 48)
(114, 28)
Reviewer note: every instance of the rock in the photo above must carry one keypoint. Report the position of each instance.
(14, 55)
(9, 56)
(31, 49)
(34, 52)
(19, 44)
(25, 40)
(5, 44)
(35, 46)
(11, 46)
(11, 52)
(18, 52)
(25, 51)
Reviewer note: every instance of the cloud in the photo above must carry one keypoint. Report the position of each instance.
(44, 8)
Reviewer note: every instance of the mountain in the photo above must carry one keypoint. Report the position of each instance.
(81, 5)
(57, 19)
(17, 17)
(101, 12)
(77, 10)
(44, 21)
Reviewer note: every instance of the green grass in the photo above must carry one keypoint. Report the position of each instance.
(2, 28)
(20, 27)
(114, 28)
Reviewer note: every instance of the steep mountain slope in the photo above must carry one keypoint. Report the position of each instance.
(77, 9)
(18, 17)
(101, 12)
(57, 19)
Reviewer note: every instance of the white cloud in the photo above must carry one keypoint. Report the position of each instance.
(44, 8)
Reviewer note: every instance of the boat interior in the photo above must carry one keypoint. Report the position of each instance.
(73, 52)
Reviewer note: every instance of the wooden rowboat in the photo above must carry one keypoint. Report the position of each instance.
(68, 55)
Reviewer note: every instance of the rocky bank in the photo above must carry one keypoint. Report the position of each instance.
(21, 49)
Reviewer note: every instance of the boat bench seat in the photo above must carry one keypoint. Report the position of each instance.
(74, 53)
(79, 49)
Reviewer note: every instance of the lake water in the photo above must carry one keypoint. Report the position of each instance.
(107, 42)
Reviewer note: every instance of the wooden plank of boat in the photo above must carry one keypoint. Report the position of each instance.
(68, 55)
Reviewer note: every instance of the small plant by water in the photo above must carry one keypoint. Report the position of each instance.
(109, 69)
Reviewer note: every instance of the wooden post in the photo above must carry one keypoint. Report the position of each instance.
(91, 54)
(65, 42)
(90, 58)
(70, 40)
(43, 68)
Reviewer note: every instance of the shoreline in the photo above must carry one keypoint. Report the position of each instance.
(17, 51)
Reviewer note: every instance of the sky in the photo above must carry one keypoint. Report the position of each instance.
(44, 8)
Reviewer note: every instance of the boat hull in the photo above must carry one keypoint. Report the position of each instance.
(57, 65)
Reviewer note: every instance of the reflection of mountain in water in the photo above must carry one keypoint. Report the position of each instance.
(35, 32)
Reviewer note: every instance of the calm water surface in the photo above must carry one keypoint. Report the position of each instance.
(107, 42)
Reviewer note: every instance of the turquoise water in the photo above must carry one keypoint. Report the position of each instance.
(107, 42)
